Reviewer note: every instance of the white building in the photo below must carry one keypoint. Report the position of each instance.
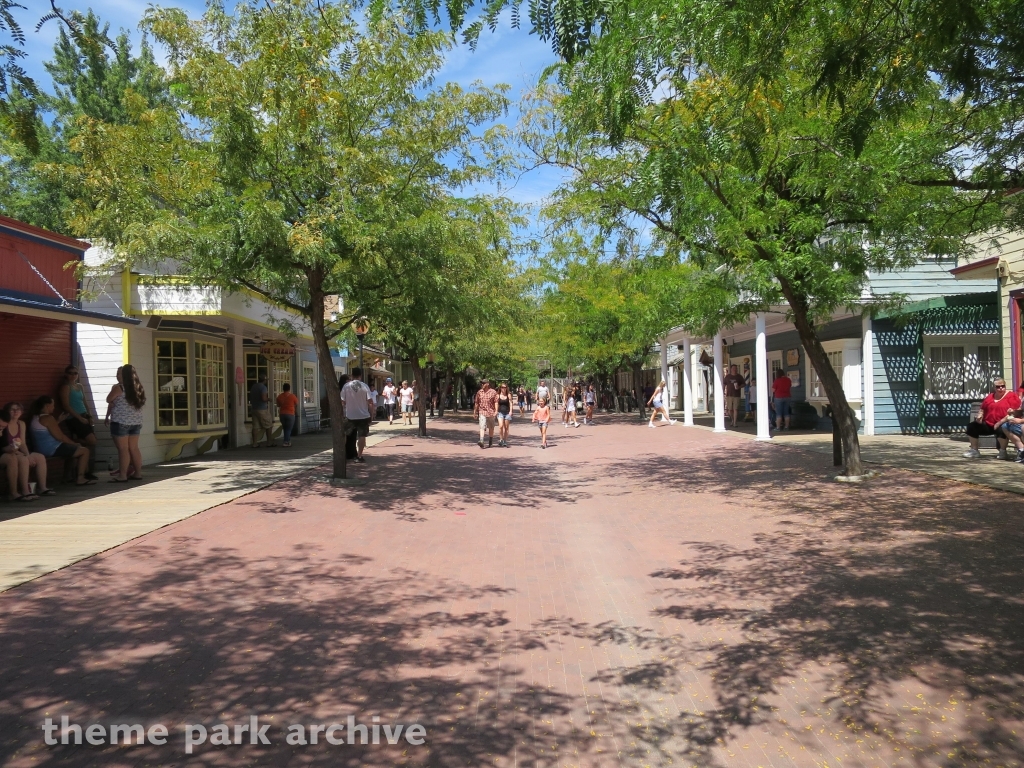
(197, 350)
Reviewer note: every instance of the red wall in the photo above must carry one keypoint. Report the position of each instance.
(47, 256)
(37, 351)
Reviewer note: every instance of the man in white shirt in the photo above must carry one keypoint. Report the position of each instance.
(390, 393)
(357, 405)
(542, 392)
(373, 401)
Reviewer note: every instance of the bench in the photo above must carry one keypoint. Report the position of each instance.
(55, 470)
(206, 441)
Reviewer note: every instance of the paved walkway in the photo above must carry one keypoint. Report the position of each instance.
(937, 455)
(630, 597)
(79, 522)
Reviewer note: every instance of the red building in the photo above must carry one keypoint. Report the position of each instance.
(39, 309)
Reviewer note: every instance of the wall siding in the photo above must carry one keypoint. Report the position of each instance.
(927, 279)
(39, 350)
(897, 379)
(18, 277)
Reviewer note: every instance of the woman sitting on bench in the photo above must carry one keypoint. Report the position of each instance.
(50, 440)
(17, 457)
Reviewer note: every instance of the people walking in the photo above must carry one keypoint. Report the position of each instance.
(390, 393)
(657, 404)
(590, 399)
(521, 399)
(543, 393)
(287, 402)
(504, 415)
(542, 417)
(126, 399)
(485, 408)
(569, 417)
(357, 404)
(408, 396)
(529, 401)
(259, 405)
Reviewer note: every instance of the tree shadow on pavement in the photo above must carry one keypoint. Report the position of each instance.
(202, 636)
(900, 601)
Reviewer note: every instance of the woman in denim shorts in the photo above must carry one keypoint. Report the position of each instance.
(126, 399)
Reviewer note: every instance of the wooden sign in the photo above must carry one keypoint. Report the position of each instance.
(277, 351)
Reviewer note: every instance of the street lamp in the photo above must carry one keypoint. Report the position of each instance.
(361, 327)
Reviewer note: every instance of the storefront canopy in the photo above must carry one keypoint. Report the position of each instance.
(71, 314)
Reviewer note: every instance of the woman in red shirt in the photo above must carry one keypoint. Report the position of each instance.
(993, 410)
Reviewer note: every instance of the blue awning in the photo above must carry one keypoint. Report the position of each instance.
(19, 306)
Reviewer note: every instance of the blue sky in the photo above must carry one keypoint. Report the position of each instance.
(505, 56)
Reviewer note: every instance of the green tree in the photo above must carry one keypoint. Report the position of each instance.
(451, 279)
(93, 76)
(766, 184)
(298, 141)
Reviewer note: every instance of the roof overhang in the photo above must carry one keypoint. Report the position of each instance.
(970, 271)
(15, 306)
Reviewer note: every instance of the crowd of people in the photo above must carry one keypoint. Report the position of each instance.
(64, 428)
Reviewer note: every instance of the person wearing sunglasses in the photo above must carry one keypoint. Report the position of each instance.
(994, 408)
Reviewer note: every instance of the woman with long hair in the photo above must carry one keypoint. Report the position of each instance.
(126, 399)
(590, 398)
(504, 414)
(657, 403)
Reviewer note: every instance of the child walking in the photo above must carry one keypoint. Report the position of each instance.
(542, 416)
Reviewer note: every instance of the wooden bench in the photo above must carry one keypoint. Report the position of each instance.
(206, 441)
(55, 470)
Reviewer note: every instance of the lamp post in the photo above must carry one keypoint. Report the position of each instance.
(361, 327)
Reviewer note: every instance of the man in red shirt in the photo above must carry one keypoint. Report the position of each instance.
(782, 393)
(993, 410)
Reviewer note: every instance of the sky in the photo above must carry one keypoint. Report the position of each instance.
(509, 56)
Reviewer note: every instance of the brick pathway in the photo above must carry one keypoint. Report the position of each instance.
(630, 597)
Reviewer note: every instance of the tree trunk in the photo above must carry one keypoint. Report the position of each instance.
(444, 391)
(417, 375)
(841, 410)
(638, 388)
(323, 356)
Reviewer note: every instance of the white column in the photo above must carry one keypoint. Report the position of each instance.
(868, 377)
(664, 373)
(687, 368)
(716, 350)
(761, 372)
(697, 378)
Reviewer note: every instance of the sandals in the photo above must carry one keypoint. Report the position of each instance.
(115, 480)
(26, 497)
(47, 492)
(87, 482)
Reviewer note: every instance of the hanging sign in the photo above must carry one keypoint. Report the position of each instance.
(277, 351)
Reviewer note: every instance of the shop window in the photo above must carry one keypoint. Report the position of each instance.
(836, 360)
(172, 408)
(255, 366)
(309, 385)
(282, 374)
(961, 368)
(210, 395)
